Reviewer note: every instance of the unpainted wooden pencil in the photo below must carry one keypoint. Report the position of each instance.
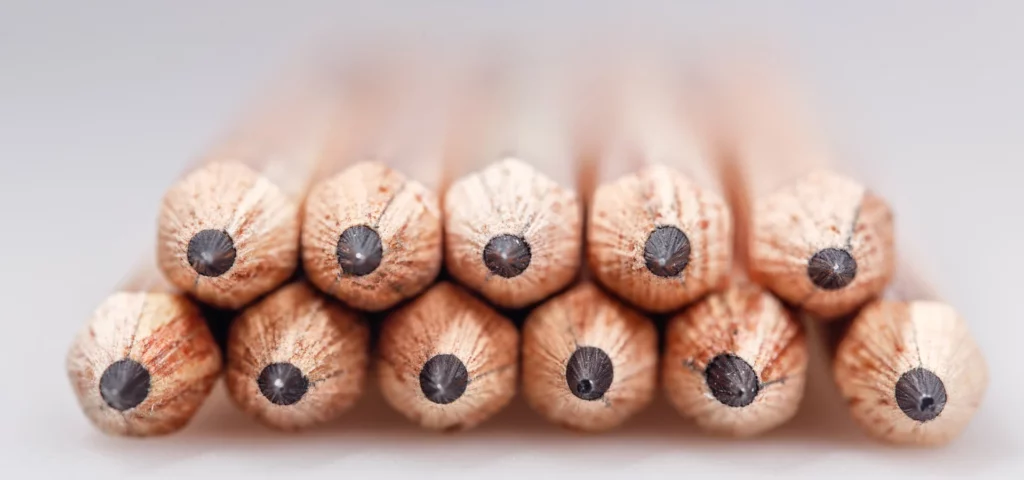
(819, 240)
(589, 361)
(908, 367)
(228, 231)
(297, 359)
(447, 361)
(659, 232)
(145, 362)
(513, 227)
(372, 229)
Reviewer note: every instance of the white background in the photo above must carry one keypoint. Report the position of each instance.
(103, 102)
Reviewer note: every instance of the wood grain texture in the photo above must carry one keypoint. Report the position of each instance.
(586, 316)
(448, 320)
(166, 334)
(327, 342)
(404, 213)
(887, 339)
(748, 322)
(511, 197)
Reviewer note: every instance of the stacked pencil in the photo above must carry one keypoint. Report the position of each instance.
(439, 192)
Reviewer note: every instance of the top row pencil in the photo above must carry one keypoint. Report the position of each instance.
(375, 171)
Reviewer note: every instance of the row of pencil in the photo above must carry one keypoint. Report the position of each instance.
(703, 194)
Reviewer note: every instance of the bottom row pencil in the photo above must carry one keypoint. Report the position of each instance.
(734, 363)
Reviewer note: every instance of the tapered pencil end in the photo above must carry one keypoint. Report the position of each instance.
(282, 383)
(921, 394)
(443, 379)
(589, 373)
(124, 384)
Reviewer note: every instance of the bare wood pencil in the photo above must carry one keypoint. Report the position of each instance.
(447, 361)
(228, 231)
(372, 232)
(659, 232)
(145, 362)
(908, 367)
(297, 359)
(589, 361)
(513, 227)
(819, 240)
(736, 361)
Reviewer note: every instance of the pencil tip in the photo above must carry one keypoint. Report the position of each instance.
(359, 250)
(124, 384)
(211, 253)
(282, 383)
(920, 394)
(589, 373)
(732, 380)
(832, 268)
(667, 251)
(443, 378)
(507, 255)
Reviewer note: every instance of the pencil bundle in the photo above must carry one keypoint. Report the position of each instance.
(440, 193)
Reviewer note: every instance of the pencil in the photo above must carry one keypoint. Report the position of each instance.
(513, 228)
(228, 231)
(908, 367)
(659, 232)
(589, 361)
(447, 361)
(819, 240)
(296, 359)
(736, 361)
(145, 362)
(372, 229)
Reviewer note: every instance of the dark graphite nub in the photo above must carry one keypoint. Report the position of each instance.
(359, 250)
(832, 268)
(124, 384)
(732, 380)
(507, 255)
(282, 383)
(589, 373)
(667, 251)
(920, 394)
(211, 253)
(443, 378)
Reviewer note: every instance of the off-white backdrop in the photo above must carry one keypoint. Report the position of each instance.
(103, 102)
